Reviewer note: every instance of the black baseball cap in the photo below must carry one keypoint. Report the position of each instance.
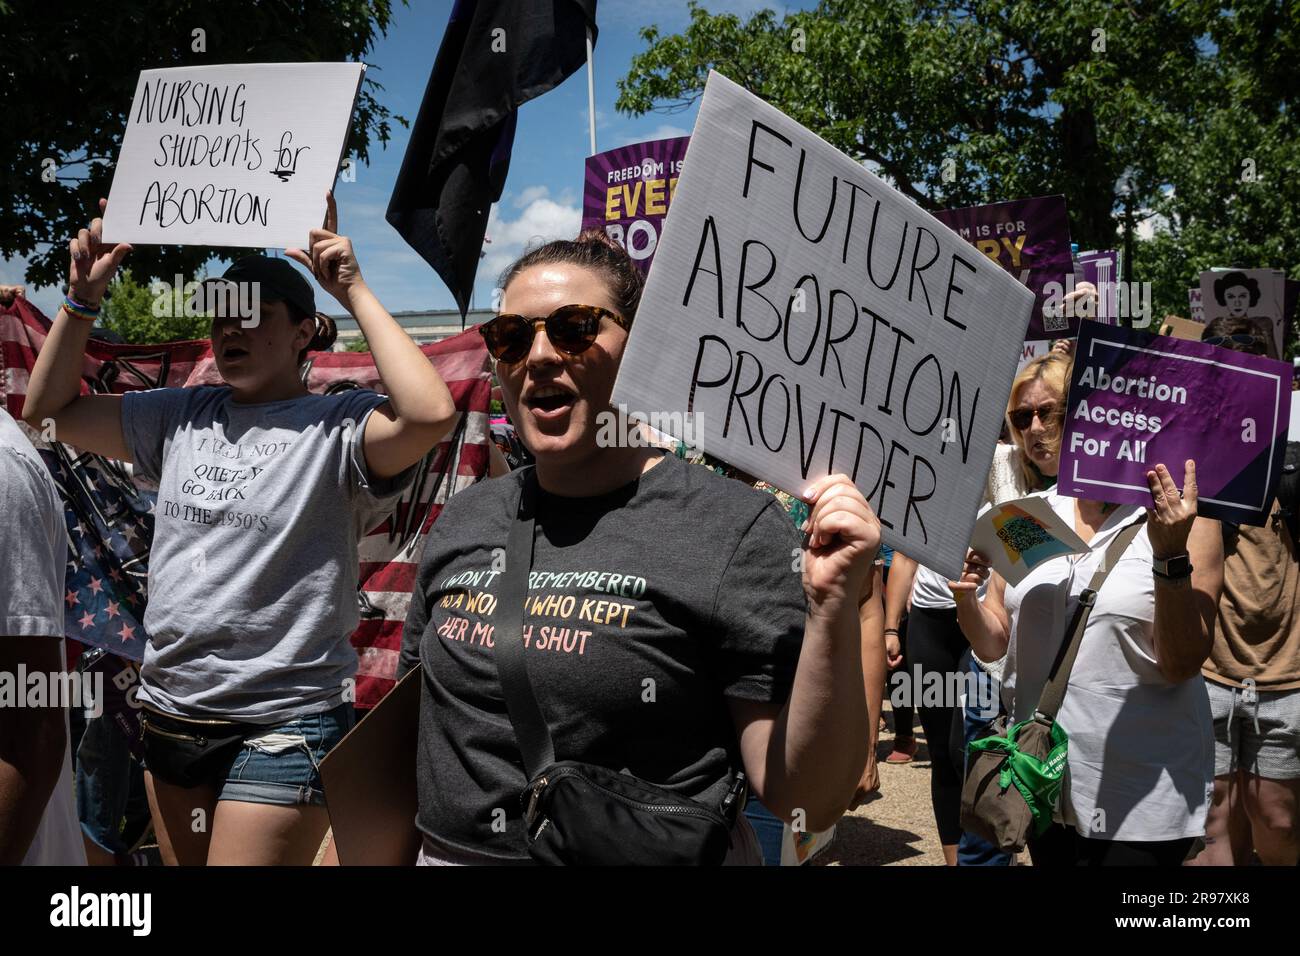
(277, 281)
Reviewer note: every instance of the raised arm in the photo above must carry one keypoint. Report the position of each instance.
(986, 624)
(1186, 608)
(90, 422)
(419, 411)
(805, 759)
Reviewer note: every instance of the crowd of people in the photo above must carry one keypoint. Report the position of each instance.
(723, 644)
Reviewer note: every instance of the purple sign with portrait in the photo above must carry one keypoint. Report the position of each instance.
(1030, 238)
(1138, 400)
(628, 191)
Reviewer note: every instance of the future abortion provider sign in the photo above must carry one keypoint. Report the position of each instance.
(232, 155)
(1138, 400)
(803, 318)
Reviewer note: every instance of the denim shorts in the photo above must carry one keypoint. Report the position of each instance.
(280, 764)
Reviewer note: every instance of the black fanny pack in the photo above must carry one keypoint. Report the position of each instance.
(188, 752)
(583, 814)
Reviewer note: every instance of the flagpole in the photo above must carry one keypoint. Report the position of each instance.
(591, 95)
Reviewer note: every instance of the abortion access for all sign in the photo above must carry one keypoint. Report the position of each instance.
(236, 155)
(628, 191)
(802, 318)
(1138, 400)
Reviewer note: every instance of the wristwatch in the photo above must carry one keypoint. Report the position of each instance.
(1178, 566)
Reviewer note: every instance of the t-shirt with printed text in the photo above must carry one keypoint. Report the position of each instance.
(647, 608)
(253, 568)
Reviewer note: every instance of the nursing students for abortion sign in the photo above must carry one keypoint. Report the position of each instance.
(628, 191)
(802, 318)
(235, 155)
(1138, 400)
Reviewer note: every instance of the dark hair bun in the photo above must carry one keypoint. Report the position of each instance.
(593, 249)
(326, 334)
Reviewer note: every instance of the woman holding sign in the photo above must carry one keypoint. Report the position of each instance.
(264, 490)
(676, 637)
(1141, 757)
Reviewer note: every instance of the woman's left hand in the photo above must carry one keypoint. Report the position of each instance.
(1170, 520)
(843, 538)
(330, 258)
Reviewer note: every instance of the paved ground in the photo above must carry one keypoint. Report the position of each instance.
(898, 828)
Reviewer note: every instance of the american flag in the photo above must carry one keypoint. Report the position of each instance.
(109, 510)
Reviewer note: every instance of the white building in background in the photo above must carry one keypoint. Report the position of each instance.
(424, 326)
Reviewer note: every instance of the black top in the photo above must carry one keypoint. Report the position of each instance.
(647, 607)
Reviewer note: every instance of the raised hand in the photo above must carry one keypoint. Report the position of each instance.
(975, 572)
(843, 538)
(330, 258)
(93, 264)
(1170, 519)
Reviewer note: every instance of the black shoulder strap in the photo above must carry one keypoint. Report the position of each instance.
(508, 639)
(1049, 702)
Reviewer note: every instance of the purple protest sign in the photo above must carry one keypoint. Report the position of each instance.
(1138, 400)
(1030, 238)
(628, 191)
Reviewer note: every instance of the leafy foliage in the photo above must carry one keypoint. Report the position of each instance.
(959, 102)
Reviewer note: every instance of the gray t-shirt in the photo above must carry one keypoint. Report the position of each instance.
(253, 570)
(33, 555)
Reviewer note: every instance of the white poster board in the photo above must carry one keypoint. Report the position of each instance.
(1293, 433)
(234, 155)
(811, 320)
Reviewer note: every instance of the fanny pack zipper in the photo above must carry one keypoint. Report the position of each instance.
(188, 738)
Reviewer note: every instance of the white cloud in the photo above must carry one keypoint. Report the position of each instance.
(541, 220)
(530, 195)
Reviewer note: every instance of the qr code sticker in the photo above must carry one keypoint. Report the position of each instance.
(1055, 322)
(1023, 534)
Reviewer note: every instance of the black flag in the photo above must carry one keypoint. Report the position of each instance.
(495, 55)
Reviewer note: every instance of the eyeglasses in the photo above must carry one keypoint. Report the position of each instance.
(1241, 338)
(1022, 418)
(571, 328)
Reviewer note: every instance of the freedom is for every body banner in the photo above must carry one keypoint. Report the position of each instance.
(803, 318)
(1138, 400)
(628, 190)
(1030, 239)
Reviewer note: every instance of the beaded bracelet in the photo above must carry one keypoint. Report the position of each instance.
(80, 310)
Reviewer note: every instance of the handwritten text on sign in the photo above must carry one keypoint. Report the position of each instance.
(238, 155)
(1138, 400)
(813, 321)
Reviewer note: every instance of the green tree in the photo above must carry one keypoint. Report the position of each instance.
(970, 102)
(70, 71)
(149, 313)
(358, 345)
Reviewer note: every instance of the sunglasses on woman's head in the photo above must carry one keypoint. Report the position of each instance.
(1022, 418)
(572, 330)
(1242, 338)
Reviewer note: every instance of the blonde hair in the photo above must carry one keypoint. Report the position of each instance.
(1053, 370)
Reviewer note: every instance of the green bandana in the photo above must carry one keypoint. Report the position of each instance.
(1039, 781)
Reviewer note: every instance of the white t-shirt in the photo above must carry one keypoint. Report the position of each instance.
(1141, 753)
(33, 553)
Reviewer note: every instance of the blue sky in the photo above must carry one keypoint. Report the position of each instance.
(543, 194)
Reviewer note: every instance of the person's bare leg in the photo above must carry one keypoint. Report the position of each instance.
(1271, 806)
(949, 854)
(1227, 829)
(262, 834)
(182, 820)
